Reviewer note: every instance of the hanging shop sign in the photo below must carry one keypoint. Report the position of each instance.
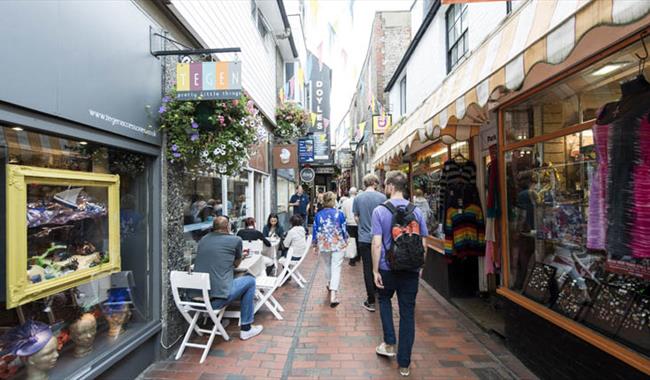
(307, 175)
(208, 80)
(319, 123)
(285, 156)
(305, 151)
(381, 123)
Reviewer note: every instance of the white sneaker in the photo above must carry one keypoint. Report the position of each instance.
(387, 350)
(253, 332)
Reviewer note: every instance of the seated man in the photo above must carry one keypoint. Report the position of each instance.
(219, 253)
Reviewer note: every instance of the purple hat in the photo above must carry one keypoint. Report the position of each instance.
(27, 339)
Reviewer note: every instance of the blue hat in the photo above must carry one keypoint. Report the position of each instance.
(27, 339)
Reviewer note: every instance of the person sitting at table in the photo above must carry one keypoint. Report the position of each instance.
(273, 227)
(296, 238)
(218, 254)
(249, 233)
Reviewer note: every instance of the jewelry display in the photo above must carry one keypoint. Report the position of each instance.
(539, 283)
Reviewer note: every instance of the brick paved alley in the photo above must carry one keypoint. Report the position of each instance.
(316, 341)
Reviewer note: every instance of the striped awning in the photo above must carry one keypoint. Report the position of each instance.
(539, 32)
(22, 145)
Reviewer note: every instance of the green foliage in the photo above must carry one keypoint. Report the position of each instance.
(290, 120)
(211, 135)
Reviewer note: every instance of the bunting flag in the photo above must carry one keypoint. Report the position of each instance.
(313, 118)
(292, 86)
(301, 77)
(361, 127)
(372, 103)
(313, 7)
(326, 123)
(351, 9)
(281, 95)
(319, 50)
(344, 54)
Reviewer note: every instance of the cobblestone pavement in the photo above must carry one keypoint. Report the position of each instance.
(316, 341)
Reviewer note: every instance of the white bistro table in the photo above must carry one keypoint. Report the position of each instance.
(272, 252)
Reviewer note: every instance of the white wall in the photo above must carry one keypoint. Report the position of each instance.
(427, 67)
(228, 23)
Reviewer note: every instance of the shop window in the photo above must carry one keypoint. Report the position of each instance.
(427, 170)
(576, 205)
(457, 41)
(237, 192)
(74, 192)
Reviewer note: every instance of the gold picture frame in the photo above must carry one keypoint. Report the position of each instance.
(19, 290)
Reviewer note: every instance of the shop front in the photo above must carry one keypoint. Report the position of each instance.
(574, 162)
(80, 192)
(563, 191)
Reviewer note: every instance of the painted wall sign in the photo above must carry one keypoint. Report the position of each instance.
(307, 175)
(208, 80)
(305, 151)
(381, 123)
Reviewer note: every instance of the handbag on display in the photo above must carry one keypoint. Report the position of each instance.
(351, 249)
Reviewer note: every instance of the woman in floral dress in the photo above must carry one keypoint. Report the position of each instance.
(330, 239)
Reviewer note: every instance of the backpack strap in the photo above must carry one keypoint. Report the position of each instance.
(390, 206)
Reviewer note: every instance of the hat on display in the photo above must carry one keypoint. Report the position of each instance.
(27, 339)
(117, 298)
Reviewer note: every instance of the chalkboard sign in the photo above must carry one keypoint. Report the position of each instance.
(609, 309)
(540, 282)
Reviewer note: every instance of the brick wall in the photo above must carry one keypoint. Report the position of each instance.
(553, 353)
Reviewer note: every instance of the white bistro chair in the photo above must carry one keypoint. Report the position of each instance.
(265, 287)
(193, 308)
(257, 247)
(292, 266)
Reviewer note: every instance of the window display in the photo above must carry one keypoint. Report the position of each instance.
(86, 215)
(70, 232)
(577, 210)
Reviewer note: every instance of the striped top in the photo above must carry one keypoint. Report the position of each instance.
(455, 173)
(464, 223)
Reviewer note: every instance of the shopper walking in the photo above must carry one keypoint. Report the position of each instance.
(346, 208)
(398, 229)
(330, 240)
(364, 204)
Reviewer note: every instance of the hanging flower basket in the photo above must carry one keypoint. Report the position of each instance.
(290, 120)
(211, 135)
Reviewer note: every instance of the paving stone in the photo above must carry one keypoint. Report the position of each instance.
(316, 341)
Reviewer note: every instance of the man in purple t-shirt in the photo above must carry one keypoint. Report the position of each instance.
(405, 283)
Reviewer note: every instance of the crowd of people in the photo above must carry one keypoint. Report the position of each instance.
(383, 230)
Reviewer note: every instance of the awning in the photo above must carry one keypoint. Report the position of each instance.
(540, 32)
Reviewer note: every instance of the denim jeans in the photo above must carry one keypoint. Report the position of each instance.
(405, 283)
(242, 288)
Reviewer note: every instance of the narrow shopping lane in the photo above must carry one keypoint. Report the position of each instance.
(316, 341)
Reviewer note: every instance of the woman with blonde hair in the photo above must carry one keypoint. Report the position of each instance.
(330, 238)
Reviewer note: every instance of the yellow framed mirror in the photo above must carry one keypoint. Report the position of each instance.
(63, 229)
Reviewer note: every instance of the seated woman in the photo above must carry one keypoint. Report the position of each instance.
(273, 227)
(249, 233)
(296, 238)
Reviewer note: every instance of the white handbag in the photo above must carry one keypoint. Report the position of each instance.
(351, 249)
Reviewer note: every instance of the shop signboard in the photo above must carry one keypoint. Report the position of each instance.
(319, 123)
(488, 136)
(381, 123)
(305, 150)
(208, 80)
(324, 170)
(345, 159)
(307, 175)
(285, 156)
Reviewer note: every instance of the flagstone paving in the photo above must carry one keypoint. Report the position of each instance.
(315, 341)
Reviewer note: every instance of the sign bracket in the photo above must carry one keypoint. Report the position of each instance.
(187, 51)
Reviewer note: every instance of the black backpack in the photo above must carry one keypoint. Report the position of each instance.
(406, 251)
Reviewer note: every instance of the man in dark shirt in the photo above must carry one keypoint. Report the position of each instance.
(300, 203)
(218, 254)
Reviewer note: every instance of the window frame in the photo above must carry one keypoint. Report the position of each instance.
(402, 96)
(459, 13)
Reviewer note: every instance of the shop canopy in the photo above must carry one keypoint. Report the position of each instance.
(539, 32)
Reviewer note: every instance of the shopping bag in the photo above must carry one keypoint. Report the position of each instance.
(351, 249)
